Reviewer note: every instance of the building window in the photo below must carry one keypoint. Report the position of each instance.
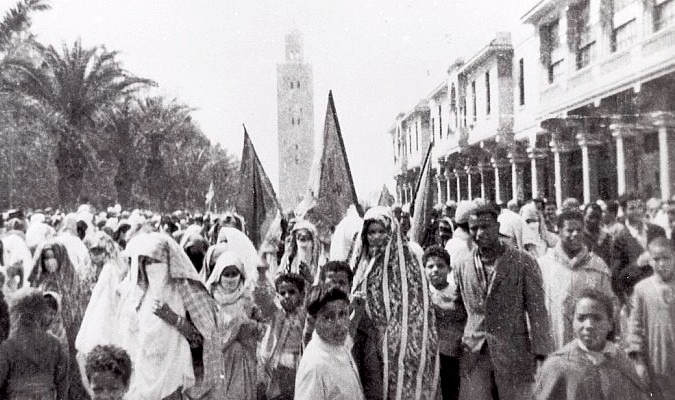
(521, 81)
(291, 85)
(298, 85)
(487, 93)
(292, 121)
(440, 122)
(473, 99)
(453, 104)
(585, 46)
(664, 15)
(555, 71)
(624, 36)
(433, 130)
(552, 54)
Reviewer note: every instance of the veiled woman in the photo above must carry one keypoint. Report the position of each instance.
(99, 324)
(303, 252)
(167, 323)
(237, 328)
(195, 246)
(53, 271)
(399, 321)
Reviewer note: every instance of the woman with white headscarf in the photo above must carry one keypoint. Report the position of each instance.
(540, 239)
(167, 323)
(237, 329)
(399, 323)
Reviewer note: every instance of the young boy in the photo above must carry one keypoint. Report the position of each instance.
(281, 347)
(108, 369)
(336, 274)
(450, 317)
(327, 369)
(651, 333)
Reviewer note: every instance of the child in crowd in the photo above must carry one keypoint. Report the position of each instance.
(33, 365)
(333, 274)
(327, 369)
(450, 317)
(281, 347)
(108, 369)
(651, 324)
(590, 366)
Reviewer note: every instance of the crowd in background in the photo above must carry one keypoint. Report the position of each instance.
(513, 301)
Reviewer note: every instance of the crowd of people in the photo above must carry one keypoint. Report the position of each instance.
(500, 302)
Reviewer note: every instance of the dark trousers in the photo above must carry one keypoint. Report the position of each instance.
(449, 376)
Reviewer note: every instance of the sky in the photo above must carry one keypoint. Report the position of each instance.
(219, 57)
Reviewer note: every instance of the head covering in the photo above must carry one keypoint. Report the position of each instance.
(290, 263)
(195, 246)
(184, 278)
(37, 233)
(344, 234)
(464, 210)
(397, 302)
(66, 282)
(15, 252)
(240, 243)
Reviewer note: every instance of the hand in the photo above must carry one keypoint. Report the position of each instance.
(642, 372)
(358, 303)
(163, 311)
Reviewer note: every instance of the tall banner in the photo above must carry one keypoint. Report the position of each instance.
(331, 187)
(423, 203)
(256, 200)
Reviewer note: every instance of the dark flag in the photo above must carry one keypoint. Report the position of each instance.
(386, 199)
(330, 187)
(423, 203)
(256, 200)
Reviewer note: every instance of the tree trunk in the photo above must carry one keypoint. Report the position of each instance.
(70, 164)
(124, 178)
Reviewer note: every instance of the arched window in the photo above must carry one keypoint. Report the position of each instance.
(292, 121)
(291, 85)
(298, 85)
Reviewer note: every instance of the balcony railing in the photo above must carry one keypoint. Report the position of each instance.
(615, 71)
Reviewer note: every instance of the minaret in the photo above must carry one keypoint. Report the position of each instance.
(295, 123)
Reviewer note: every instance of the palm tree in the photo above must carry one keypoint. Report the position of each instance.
(79, 87)
(17, 19)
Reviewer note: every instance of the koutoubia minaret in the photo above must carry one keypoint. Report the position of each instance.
(295, 123)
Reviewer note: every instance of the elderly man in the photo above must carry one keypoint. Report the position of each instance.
(507, 329)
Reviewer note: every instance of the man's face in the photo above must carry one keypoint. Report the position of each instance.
(592, 219)
(570, 235)
(670, 212)
(107, 386)
(635, 211)
(550, 212)
(484, 230)
(444, 233)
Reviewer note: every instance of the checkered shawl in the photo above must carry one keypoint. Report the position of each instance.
(197, 301)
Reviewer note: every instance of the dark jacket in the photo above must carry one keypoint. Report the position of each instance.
(625, 252)
(511, 318)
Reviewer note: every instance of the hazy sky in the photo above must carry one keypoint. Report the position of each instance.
(379, 58)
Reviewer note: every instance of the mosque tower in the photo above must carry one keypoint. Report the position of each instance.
(295, 123)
